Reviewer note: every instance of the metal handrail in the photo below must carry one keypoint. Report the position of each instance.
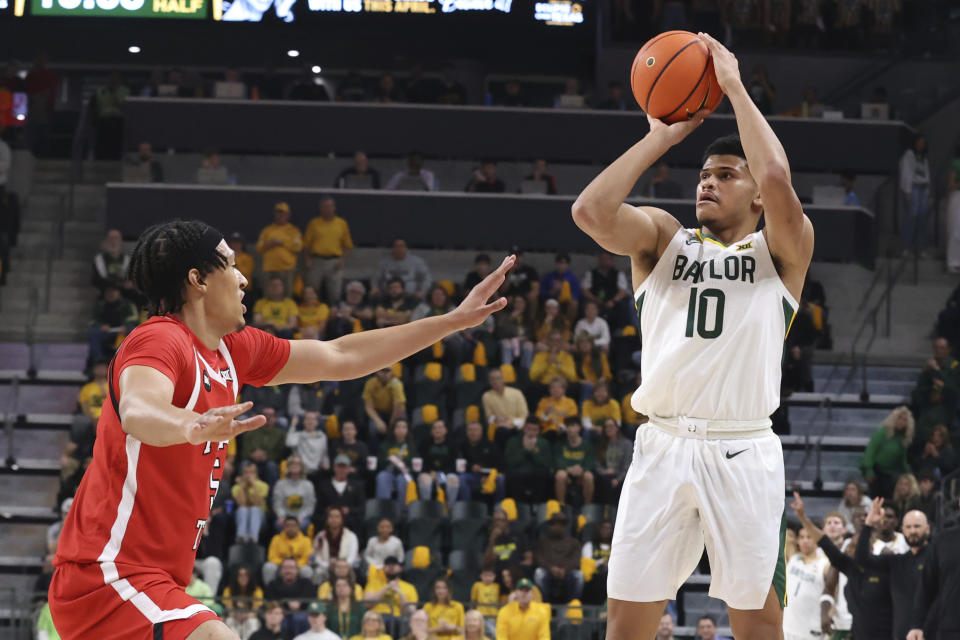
(33, 309)
(813, 445)
(10, 416)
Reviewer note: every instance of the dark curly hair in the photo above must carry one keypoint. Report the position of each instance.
(724, 146)
(164, 255)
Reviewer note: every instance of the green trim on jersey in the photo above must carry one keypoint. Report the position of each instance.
(639, 305)
(780, 572)
(706, 237)
(789, 315)
(840, 635)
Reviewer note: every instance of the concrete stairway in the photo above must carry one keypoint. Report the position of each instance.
(71, 297)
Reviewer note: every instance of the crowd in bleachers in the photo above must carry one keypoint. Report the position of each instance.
(477, 475)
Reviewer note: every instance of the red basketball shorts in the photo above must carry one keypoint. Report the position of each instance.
(142, 606)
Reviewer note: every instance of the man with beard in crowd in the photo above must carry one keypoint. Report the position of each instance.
(867, 591)
(904, 569)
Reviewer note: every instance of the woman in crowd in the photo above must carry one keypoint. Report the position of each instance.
(552, 321)
(383, 545)
(593, 366)
(474, 626)
(886, 455)
(334, 541)
(312, 313)
(242, 612)
(446, 614)
(345, 614)
(514, 329)
(339, 569)
(906, 493)
(938, 455)
(372, 628)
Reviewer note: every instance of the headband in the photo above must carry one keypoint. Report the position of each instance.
(206, 245)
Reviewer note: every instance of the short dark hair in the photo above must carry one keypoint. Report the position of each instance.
(724, 146)
(395, 279)
(565, 257)
(481, 257)
(164, 255)
(289, 518)
(707, 616)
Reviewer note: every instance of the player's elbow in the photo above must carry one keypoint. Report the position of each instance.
(776, 175)
(585, 214)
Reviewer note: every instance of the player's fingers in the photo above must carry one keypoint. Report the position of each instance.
(493, 281)
(250, 423)
(233, 410)
(495, 306)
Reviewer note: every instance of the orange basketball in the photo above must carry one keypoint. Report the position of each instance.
(672, 77)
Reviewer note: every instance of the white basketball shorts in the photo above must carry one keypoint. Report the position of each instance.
(686, 490)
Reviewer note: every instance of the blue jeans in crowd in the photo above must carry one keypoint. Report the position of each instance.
(572, 584)
(249, 522)
(914, 228)
(388, 482)
(470, 486)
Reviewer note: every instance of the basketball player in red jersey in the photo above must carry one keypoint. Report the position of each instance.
(129, 543)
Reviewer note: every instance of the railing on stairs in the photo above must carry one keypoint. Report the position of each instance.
(67, 201)
(889, 273)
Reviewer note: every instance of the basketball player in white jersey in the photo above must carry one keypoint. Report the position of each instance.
(806, 576)
(715, 304)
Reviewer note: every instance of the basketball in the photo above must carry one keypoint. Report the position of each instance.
(672, 77)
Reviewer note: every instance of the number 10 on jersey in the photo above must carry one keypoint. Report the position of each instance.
(698, 310)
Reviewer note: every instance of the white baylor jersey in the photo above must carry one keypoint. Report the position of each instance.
(713, 319)
(801, 616)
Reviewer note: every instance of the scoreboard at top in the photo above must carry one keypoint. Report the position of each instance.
(569, 13)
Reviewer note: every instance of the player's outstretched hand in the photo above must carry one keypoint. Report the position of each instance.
(725, 64)
(915, 634)
(220, 423)
(475, 309)
(674, 133)
(876, 513)
(797, 506)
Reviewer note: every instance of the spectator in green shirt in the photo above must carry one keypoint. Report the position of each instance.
(45, 628)
(886, 455)
(529, 464)
(201, 591)
(574, 461)
(937, 392)
(265, 447)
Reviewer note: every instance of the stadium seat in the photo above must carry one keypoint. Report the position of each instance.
(430, 384)
(425, 526)
(464, 566)
(250, 554)
(468, 523)
(423, 417)
(422, 578)
(376, 510)
(469, 385)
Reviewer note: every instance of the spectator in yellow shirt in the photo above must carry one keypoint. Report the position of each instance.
(521, 620)
(552, 321)
(250, 494)
(553, 362)
(485, 593)
(289, 543)
(504, 406)
(397, 597)
(279, 244)
(446, 614)
(384, 401)
(93, 393)
(245, 262)
(326, 245)
(592, 364)
(311, 312)
(275, 310)
(597, 408)
(555, 408)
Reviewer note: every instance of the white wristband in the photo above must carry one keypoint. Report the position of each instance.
(827, 598)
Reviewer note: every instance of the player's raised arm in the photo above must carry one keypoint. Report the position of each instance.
(789, 232)
(600, 211)
(359, 354)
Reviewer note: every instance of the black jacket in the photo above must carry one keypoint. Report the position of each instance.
(904, 570)
(867, 593)
(940, 577)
